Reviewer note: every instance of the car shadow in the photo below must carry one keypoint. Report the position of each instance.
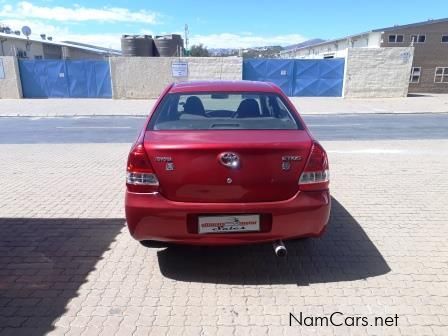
(419, 95)
(343, 253)
(43, 263)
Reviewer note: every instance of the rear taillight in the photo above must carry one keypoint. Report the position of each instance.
(316, 175)
(139, 175)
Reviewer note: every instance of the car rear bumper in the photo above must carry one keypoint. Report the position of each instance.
(153, 217)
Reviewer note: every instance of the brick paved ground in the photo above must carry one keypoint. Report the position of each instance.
(68, 265)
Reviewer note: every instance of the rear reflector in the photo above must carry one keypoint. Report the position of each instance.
(316, 175)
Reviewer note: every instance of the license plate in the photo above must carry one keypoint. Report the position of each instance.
(227, 224)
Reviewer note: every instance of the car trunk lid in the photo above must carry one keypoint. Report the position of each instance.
(189, 168)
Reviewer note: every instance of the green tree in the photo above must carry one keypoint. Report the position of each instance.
(199, 51)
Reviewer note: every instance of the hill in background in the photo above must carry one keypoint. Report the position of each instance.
(261, 52)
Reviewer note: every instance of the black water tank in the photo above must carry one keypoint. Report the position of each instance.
(168, 45)
(137, 45)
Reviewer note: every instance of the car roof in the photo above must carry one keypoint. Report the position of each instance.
(222, 85)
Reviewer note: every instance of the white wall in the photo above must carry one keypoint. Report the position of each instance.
(12, 45)
(377, 72)
(78, 54)
(375, 39)
(10, 86)
(9, 46)
(146, 77)
(337, 47)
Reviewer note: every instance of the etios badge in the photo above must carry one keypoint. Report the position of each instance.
(229, 159)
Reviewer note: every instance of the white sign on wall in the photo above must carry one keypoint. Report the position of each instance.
(179, 69)
(405, 56)
(2, 70)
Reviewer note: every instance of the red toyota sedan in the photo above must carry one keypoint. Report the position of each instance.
(226, 162)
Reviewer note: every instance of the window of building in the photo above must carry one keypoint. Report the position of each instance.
(441, 75)
(418, 38)
(38, 57)
(415, 75)
(396, 38)
(21, 54)
(444, 38)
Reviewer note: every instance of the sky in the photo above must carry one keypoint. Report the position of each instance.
(216, 24)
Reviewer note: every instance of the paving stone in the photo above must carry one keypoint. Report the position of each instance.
(69, 266)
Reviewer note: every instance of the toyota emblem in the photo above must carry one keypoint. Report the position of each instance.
(229, 159)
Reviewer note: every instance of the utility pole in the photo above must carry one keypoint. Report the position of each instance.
(186, 37)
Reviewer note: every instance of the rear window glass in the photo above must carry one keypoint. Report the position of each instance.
(221, 110)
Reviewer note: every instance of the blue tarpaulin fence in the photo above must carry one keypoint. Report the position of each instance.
(65, 79)
(299, 77)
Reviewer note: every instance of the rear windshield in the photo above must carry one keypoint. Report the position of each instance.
(220, 110)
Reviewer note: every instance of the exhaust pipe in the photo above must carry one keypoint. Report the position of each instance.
(279, 248)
